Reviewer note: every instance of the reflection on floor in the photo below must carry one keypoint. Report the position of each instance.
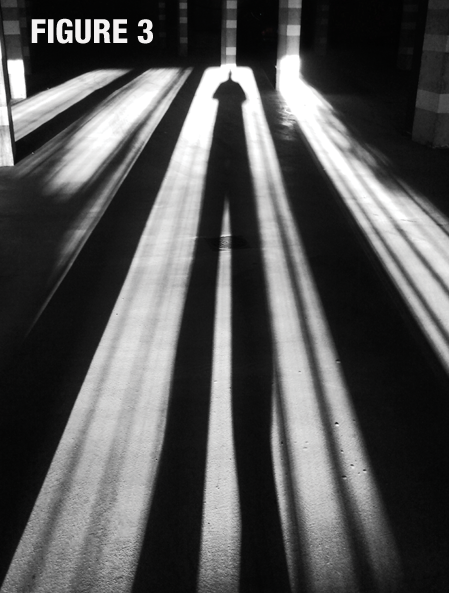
(218, 392)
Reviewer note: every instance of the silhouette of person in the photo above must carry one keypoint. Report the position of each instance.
(228, 175)
(171, 551)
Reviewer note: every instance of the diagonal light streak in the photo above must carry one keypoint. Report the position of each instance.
(77, 154)
(407, 233)
(67, 202)
(89, 520)
(131, 113)
(220, 543)
(35, 111)
(338, 511)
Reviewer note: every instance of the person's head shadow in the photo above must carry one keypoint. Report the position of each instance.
(230, 93)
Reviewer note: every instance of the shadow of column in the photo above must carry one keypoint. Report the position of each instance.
(170, 553)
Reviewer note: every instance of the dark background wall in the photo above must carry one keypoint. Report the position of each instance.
(365, 23)
(354, 24)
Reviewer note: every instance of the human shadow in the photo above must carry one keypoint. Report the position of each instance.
(170, 555)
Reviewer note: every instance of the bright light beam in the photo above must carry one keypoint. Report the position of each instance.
(407, 233)
(337, 508)
(75, 156)
(77, 160)
(35, 111)
(68, 184)
(87, 526)
(220, 543)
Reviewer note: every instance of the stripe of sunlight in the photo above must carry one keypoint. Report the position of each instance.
(77, 154)
(75, 162)
(406, 231)
(35, 111)
(220, 541)
(337, 512)
(87, 526)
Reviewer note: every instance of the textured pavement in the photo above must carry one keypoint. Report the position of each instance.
(260, 412)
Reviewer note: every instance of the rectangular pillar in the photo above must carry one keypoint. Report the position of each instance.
(162, 24)
(431, 121)
(289, 30)
(6, 126)
(14, 51)
(408, 34)
(229, 33)
(24, 34)
(183, 28)
(321, 32)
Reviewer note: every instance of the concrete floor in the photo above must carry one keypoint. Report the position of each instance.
(215, 375)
